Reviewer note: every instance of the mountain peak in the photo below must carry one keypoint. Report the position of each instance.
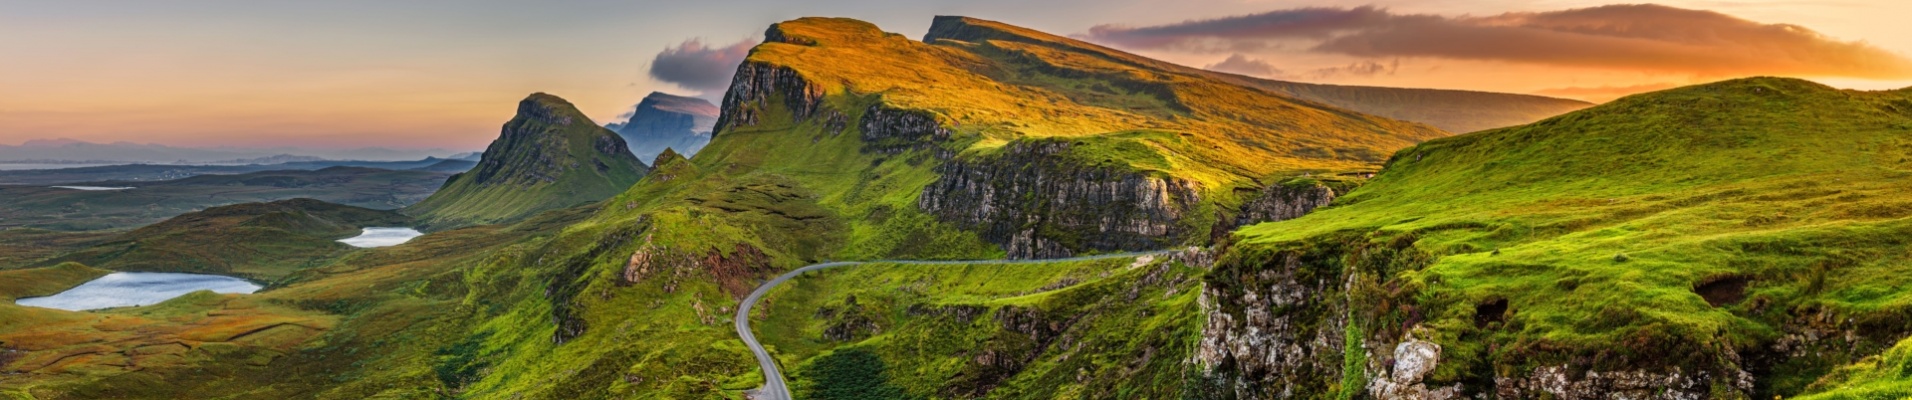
(666, 121)
(549, 156)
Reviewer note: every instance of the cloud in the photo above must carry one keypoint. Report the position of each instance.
(1240, 64)
(1358, 68)
(1620, 37)
(696, 66)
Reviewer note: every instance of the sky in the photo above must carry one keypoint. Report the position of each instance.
(447, 74)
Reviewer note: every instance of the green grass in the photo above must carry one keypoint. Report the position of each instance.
(260, 241)
(1598, 226)
(1128, 327)
(550, 156)
(151, 202)
(1884, 376)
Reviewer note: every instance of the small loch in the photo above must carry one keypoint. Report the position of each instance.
(381, 237)
(132, 289)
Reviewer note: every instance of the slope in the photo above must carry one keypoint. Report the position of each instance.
(1694, 237)
(1451, 110)
(1045, 136)
(150, 202)
(664, 121)
(261, 241)
(550, 156)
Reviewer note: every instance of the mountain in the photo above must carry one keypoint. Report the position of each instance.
(1698, 237)
(549, 156)
(261, 241)
(667, 121)
(1044, 146)
(1451, 110)
(1736, 240)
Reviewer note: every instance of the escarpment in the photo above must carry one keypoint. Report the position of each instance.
(1038, 204)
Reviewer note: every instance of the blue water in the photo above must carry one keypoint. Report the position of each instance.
(382, 237)
(131, 289)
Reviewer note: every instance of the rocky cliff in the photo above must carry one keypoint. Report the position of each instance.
(664, 121)
(1037, 203)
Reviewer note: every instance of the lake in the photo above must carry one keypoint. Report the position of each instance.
(381, 237)
(132, 289)
(90, 188)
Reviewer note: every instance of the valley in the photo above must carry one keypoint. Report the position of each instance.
(995, 212)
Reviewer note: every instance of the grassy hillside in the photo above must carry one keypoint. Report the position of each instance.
(1102, 329)
(1452, 110)
(995, 91)
(550, 156)
(261, 241)
(832, 135)
(1700, 227)
(150, 202)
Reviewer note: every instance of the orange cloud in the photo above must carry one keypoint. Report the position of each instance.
(1620, 37)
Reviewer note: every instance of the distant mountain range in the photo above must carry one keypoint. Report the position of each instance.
(665, 121)
(70, 151)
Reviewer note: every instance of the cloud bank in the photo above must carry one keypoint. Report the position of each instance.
(1622, 37)
(697, 66)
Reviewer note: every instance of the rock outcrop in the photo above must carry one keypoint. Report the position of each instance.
(1037, 203)
(1284, 201)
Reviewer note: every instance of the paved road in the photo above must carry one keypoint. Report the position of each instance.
(774, 387)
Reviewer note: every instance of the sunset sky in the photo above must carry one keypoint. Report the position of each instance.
(446, 74)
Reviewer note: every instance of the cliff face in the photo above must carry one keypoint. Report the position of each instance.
(1038, 204)
(663, 121)
(759, 85)
(1297, 320)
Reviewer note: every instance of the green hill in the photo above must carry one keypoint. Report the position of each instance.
(550, 156)
(1451, 110)
(1045, 150)
(262, 241)
(1697, 233)
(1726, 240)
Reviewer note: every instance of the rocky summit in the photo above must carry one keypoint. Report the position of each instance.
(549, 156)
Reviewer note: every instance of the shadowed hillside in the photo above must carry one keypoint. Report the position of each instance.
(663, 121)
(550, 156)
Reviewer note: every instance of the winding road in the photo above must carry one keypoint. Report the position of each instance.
(774, 387)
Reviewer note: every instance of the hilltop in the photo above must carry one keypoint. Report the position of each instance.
(1692, 235)
(665, 121)
(1044, 151)
(549, 156)
(1457, 111)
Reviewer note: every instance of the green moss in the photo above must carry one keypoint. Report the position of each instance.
(1597, 227)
